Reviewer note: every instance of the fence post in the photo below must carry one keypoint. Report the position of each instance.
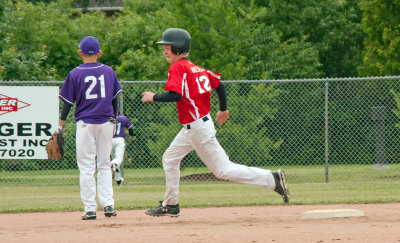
(120, 99)
(326, 134)
(121, 103)
(379, 116)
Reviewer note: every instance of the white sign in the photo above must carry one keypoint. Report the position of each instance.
(28, 117)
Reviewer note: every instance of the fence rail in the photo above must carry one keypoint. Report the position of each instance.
(318, 130)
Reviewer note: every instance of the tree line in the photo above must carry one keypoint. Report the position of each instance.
(257, 39)
(243, 40)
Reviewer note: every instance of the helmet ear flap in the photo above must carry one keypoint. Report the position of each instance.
(176, 50)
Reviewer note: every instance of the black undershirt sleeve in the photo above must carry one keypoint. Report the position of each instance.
(115, 106)
(65, 110)
(130, 130)
(170, 96)
(221, 92)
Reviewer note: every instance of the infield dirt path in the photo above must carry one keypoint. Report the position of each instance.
(381, 223)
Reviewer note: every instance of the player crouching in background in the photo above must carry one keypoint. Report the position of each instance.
(118, 146)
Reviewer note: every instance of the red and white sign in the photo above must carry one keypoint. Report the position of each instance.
(28, 117)
(8, 104)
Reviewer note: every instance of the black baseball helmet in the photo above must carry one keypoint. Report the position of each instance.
(179, 39)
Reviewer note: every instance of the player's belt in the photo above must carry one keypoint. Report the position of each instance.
(204, 119)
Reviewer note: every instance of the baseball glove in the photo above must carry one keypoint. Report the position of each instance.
(55, 146)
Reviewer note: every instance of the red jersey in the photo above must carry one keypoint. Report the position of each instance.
(194, 84)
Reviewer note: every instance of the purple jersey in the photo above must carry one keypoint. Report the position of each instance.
(92, 86)
(122, 123)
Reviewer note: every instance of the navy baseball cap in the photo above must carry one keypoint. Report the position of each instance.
(89, 45)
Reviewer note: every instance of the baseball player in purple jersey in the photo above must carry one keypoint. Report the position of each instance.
(94, 88)
(118, 146)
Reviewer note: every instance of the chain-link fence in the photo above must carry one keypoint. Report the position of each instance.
(317, 130)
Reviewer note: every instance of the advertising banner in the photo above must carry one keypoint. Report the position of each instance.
(28, 117)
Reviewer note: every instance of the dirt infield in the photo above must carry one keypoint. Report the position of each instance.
(381, 223)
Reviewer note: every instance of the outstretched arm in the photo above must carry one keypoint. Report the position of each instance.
(169, 96)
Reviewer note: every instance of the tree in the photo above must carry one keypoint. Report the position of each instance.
(381, 20)
(41, 39)
(332, 27)
(230, 37)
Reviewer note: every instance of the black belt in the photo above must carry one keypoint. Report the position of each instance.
(204, 118)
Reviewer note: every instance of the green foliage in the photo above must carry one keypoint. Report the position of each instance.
(137, 65)
(227, 37)
(251, 145)
(44, 37)
(31, 46)
(240, 39)
(132, 47)
(267, 54)
(381, 20)
(85, 3)
(17, 65)
(153, 124)
(332, 27)
(302, 131)
(396, 97)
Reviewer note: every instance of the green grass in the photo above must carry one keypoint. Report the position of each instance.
(145, 187)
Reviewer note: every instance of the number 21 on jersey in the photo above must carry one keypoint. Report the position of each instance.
(89, 92)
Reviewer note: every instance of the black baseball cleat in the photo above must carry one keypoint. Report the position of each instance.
(89, 215)
(169, 210)
(280, 183)
(109, 211)
(114, 169)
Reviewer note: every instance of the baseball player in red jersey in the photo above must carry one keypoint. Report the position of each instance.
(190, 87)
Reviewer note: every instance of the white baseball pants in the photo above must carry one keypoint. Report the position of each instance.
(201, 138)
(94, 141)
(118, 150)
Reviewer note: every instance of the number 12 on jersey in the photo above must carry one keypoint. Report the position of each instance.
(203, 83)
